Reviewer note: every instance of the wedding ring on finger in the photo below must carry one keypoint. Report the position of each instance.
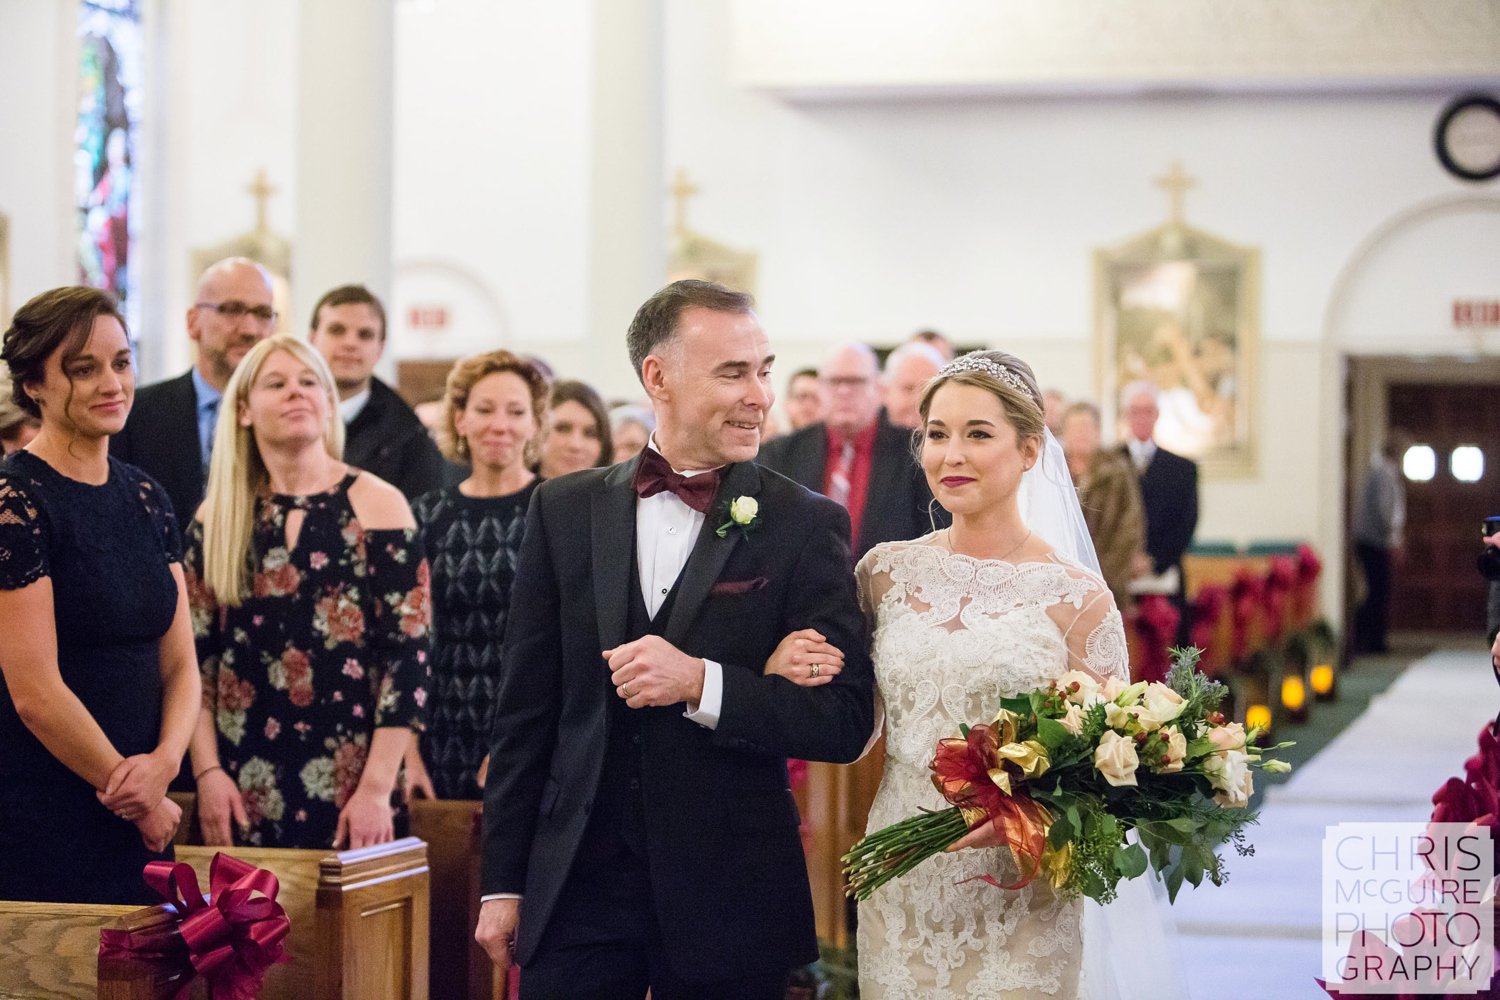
(815, 670)
(625, 690)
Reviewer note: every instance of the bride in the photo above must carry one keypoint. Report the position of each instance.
(1002, 602)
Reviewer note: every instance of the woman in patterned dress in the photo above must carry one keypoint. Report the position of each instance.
(311, 609)
(101, 689)
(471, 533)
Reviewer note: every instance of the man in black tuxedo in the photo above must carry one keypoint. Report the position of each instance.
(857, 458)
(382, 434)
(169, 433)
(1169, 492)
(638, 827)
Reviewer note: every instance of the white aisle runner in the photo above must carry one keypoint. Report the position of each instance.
(1257, 936)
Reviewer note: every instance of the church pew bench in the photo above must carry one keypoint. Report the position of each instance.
(50, 951)
(360, 919)
(460, 968)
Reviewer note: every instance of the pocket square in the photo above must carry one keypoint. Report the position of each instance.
(733, 588)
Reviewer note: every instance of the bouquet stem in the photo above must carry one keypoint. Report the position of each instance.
(897, 849)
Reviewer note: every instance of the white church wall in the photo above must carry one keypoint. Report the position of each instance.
(978, 217)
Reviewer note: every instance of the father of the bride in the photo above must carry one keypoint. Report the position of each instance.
(638, 828)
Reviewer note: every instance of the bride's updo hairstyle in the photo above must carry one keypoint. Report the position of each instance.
(1004, 376)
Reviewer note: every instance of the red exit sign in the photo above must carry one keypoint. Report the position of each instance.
(427, 317)
(1476, 312)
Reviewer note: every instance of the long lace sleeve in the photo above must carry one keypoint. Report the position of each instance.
(1094, 632)
(400, 632)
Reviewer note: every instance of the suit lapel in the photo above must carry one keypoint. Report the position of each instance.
(710, 552)
(613, 539)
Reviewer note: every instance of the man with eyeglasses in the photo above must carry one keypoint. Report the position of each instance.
(382, 434)
(170, 431)
(857, 457)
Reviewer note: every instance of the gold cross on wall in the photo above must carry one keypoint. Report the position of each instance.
(1176, 184)
(261, 189)
(682, 190)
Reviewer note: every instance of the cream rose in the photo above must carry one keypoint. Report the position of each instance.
(1229, 773)
(1230, 736)
(1176, 750)
(1088, 694)
(1120, 717)
(1116, 759)
(743, 510)
(1072, 720)
(1159, 706)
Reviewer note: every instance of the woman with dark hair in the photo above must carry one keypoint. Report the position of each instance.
(472, 532)
(101, 686)
(577, 431)
(311, 610)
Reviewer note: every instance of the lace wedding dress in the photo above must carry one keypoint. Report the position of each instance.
(953, 635)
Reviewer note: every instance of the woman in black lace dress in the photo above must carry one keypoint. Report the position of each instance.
(472, 533)
(311, 609)
(101, 690)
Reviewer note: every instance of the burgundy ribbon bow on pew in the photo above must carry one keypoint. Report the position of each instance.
(230, 939)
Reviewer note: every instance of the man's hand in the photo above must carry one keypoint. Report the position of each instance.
(652, 671)
(136, 785)
(496, 932)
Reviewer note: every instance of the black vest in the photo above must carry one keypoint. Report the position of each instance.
(617, 822)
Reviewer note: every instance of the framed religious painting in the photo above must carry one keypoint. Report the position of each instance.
(1179, 309)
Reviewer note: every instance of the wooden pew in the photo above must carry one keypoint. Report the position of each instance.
(50, 951)
(459, 966)
(360, 919)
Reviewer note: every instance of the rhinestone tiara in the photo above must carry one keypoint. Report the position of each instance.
(974, 363)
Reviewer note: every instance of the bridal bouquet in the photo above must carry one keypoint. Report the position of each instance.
(1066, 772)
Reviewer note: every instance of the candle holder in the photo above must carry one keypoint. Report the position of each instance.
(1294, 697)
(1323, 680)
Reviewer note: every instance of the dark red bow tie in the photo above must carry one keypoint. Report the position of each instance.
(655, 474)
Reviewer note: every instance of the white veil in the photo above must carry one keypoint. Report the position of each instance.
(1049, 506)
(1129, 946)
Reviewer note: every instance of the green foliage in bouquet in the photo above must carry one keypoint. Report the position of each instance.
(1102, 761)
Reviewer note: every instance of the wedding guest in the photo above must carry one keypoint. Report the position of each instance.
(937, 341)
(907, 371)
(472, 535)
(311, 610)
(805, 402)
(1054, 402)
(382, 435)
(1111, 500)
(1169, 497)
(630, 428)
(101, 688)
(1379, 522)
(17, 427)
(170, 432)
(856, 457)
(577, 431)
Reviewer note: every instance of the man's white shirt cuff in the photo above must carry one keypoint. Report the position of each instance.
(706, 712)
(499, 895)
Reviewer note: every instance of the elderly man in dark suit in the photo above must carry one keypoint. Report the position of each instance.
(170, 431)
(857, 458)
(1169, 492)
(638, 827)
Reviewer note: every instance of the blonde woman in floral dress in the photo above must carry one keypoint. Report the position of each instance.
(311, 610)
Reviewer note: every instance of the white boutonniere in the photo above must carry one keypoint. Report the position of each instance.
(742, 513)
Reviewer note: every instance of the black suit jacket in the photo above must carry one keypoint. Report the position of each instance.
(898, 504)
(1169, 490)
(728, 876)
(160, 437)
(386, 438)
